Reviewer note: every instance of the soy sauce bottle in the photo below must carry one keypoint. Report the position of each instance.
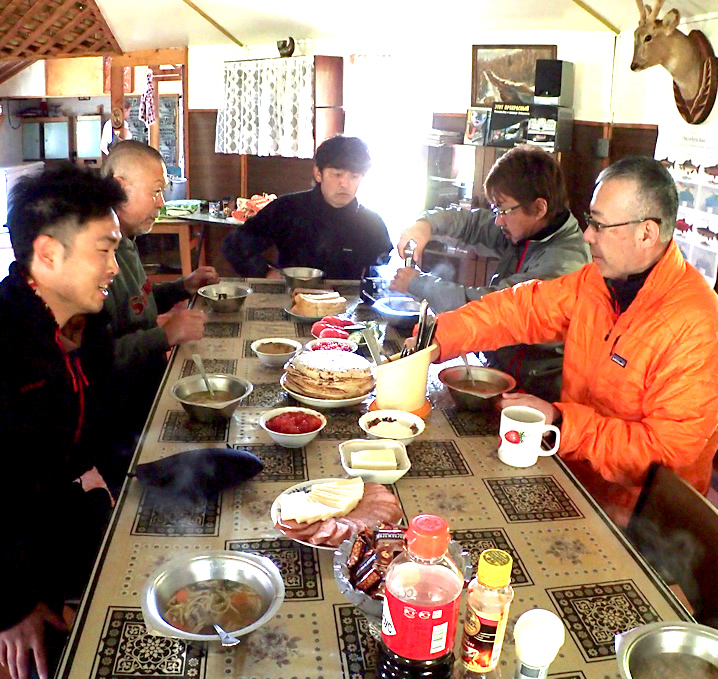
(421, 605)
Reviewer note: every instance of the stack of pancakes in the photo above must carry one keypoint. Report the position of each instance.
(329, 374)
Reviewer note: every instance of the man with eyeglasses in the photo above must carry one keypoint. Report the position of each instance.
(531, 230)
(142, 338)
(640, 327)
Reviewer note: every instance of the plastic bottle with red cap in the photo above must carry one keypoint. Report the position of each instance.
(421, 606)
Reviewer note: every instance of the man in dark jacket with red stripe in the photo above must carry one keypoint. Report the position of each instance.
(57, 356)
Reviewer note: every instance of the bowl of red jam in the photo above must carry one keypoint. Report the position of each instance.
(292, 427)
(331, 343)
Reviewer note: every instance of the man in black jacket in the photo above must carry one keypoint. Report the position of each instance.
(58, 352)
(324, 228)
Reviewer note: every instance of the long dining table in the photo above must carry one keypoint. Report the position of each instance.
(567, 555)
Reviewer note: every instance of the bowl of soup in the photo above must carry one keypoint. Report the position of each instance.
(274, 352)
(185, 597)
(200, 404)
(480, 394)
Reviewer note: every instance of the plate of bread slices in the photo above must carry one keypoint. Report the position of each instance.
(310, 305)
(325, 512)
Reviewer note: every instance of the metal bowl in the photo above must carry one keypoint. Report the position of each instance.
(302, 276)
(401, 312)
(490, 381)
(668, 649)
(225, 297)
(257, 572)
(238, 387)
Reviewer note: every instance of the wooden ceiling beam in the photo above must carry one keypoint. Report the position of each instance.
(169, 55)
(40, 30)
(21, 23)
(69, 47)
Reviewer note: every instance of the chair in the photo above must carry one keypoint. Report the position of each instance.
(676, 530)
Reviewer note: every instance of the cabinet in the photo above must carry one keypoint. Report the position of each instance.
(47, 139)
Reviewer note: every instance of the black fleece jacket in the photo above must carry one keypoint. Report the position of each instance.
(307, 231)
(51, 409)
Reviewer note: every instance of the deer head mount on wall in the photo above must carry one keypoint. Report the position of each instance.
(688, 58)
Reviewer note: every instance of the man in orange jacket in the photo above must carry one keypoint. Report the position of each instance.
(640, 328)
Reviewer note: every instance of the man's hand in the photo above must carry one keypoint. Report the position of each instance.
(550, 411)
(204, 275)
(184, 326)
(273, 273)
(419, 232)
(28, 635)
(402, 279)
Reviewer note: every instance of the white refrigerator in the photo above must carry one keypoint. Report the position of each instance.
(8, 177)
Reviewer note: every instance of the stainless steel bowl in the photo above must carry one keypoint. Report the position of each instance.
(302, 276)
(225, 297)
(490, 381)
(257, 572)
(238, 387)
(401, 312)
(668, 649)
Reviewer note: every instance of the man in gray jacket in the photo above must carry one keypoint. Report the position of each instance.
(530, 229)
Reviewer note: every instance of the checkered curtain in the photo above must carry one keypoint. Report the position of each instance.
(268, 108)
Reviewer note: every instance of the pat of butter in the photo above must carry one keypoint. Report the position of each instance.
(375, 460)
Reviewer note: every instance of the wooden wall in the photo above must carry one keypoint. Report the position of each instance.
(212, 175)
(582, 164)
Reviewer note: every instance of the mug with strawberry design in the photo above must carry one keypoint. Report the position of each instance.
(521, 431)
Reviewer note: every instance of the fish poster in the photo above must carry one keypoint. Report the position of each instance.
(692, 160)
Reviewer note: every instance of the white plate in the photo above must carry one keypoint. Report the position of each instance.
(322, 402)
(304, 485)
(302, 319)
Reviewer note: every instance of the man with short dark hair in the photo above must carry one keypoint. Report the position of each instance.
(324, 228)
(640, 327)
(53, 397)
(141, 342)
(531, 230)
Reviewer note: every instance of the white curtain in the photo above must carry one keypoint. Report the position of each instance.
(268, 108)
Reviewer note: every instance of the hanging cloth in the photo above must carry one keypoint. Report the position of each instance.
(147, 113)
(268, 108)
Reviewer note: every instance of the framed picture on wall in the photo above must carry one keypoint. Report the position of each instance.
(506, 73)
(477, 125)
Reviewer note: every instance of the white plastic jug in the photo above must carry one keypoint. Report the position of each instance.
(401, 383)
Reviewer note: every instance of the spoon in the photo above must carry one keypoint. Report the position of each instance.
(226, 638)
(469, 374)
(200, 366)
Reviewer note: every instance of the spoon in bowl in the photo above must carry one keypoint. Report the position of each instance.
(200, 366)
(469, 374)
(226, 638)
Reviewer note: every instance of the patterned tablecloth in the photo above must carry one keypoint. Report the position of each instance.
(568, 557)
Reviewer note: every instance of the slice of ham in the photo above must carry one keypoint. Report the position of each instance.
(378, 504)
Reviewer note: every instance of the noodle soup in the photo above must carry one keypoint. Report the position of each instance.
(199, 606)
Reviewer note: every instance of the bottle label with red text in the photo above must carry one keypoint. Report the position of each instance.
(418, 632)
(482, 640)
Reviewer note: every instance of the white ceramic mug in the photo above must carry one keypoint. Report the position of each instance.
(521, 431)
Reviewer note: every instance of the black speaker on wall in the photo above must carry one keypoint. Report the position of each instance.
(554, 82)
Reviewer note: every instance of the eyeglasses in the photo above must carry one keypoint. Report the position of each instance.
(502, 213)
(590, 221)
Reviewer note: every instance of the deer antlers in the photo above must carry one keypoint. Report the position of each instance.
(647, 12)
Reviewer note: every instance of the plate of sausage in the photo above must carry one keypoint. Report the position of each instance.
(377, 505)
